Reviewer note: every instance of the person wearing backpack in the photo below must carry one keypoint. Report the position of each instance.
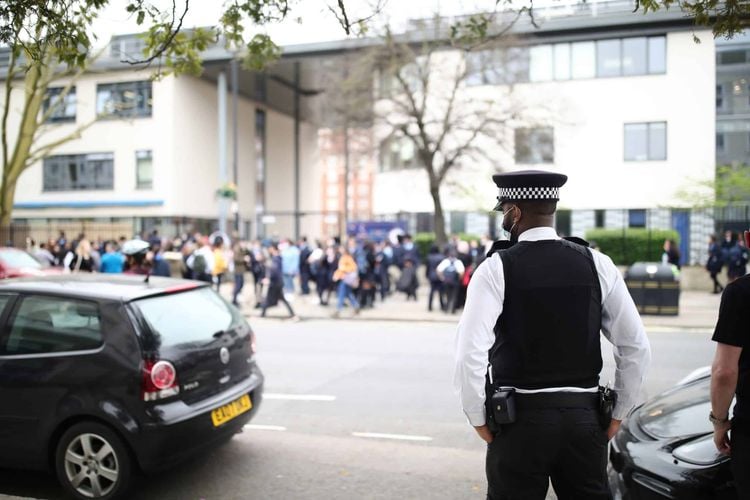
(450, 271)
(201, 262)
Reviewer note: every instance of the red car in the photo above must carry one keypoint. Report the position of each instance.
(15, 263)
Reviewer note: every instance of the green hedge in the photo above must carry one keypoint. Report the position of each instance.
(632, 245)
(424, 241)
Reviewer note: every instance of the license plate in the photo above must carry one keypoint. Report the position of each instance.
(229, 411)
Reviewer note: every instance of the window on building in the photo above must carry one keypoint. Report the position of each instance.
(397, 153)
(720, 144)
(657, 55)
(261, 87)
(599, 218)
(535, 145)
(78, 172)
(63, 107)
(583, 56)
(738, 56)
(124, 99)
(636, 218)
(646, 141)
(144, 170)
(127, 47)
(497, 67)
(562, 61)
(541, 63)
(53, 324)
(608, 58)
(634, 56)
(720, 96)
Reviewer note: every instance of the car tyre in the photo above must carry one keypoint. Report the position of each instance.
(92, 462)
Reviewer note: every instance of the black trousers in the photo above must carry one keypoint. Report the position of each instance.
(741, 457)
(565, 445)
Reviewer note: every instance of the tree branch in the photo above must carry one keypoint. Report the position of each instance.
(343, 18)
(43, 151)
(166, 43)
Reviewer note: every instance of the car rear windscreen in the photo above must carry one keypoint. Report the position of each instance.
(188, 317)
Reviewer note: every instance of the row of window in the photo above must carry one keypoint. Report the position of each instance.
(565, 61)
(642, 142)
(113, 100)
(85, 172)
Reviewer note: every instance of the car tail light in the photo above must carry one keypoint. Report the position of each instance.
(159, 380)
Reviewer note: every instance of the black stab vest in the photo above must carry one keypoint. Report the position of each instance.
(548, 332)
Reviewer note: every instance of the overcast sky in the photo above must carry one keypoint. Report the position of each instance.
(317, 22)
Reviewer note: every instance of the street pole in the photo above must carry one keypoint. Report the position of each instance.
(235, 176)
(296, 149)
(222, 94)
(347, 167)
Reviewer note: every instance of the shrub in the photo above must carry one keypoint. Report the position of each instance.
(627, 246)
(424, 241)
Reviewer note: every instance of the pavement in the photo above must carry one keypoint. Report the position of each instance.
(698, 310)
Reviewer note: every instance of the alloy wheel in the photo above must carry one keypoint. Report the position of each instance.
(91, 465)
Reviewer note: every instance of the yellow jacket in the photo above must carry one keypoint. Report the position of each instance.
(346, 266)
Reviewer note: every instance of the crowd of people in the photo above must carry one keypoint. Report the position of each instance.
(732, 253)
(357, 273)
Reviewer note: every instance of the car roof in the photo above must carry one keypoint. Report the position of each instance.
(100, 286)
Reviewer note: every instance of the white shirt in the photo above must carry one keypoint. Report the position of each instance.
(445, 263)
(621, 325)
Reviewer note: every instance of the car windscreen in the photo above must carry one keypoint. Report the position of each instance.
(18, 259)
(188, 317)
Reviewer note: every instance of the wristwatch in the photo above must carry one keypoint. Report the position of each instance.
(716, 420)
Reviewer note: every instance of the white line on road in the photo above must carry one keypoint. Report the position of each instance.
(299, 397)
(257, 427)
(402, 437)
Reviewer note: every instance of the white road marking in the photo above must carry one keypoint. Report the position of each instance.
(299, 397)
(257, 427)
(402, 437)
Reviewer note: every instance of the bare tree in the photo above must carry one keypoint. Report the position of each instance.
(426, 98)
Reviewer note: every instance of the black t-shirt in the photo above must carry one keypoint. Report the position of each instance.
(733, 328)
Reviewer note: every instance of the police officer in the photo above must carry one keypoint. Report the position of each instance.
(531, 326)
(730, 375)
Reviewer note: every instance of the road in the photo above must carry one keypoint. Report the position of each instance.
(357, 409)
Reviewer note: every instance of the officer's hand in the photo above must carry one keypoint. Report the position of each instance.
(484, 433)
(721, 437)
(614, 426)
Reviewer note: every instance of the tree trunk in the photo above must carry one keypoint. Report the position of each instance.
(439, 217)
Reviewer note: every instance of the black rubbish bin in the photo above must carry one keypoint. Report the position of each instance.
(655, 288)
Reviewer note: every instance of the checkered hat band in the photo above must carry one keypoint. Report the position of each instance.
(530, 193)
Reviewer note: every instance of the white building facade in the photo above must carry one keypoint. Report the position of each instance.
(150, 158)
(623, 106)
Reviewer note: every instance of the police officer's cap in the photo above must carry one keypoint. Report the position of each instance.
(134, 247)
(528, 185)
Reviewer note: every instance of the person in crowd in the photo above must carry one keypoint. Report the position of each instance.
(44, 256)
(326, 268)
(304, 266)
(80, 260)
(220, 265)
(524, 338)
(383, 261)
(187, 249)
(159, 265)
(451, 271)
(735, 256)
(201, 262)
(290, 264)
(408, 282)
(671, 254)
(410, 251)
(240, 261)
(730, 379)
(434, 258)
(347, 278)
(113, 262)
(715, 263)
(136, 257)
(365, 259)
(257, 267)
(463, 253)
(274, 282)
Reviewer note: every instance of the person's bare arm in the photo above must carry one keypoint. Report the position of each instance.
(724, 373)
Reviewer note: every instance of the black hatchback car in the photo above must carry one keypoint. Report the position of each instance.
(665, 449)
(102, 376)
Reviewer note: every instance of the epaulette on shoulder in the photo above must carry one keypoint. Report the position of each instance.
(577, 241)
(498, 246)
